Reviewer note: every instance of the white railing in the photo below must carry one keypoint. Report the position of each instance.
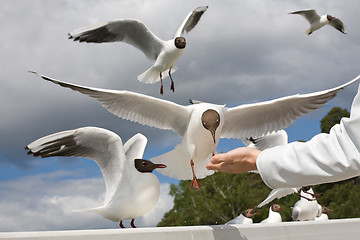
(344, 229)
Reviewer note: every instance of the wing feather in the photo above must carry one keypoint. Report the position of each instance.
(258, 119)
(136, 107)
(190, 21)
(130, 31)
(100, 145)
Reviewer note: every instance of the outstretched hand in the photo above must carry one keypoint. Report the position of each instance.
(239, 160)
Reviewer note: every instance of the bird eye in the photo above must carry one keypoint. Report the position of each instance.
(144, 163)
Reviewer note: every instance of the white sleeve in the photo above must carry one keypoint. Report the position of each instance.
(325, 158)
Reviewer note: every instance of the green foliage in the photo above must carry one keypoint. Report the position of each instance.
(222, 197)
(333, 117)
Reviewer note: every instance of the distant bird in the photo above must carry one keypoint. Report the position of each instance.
(305, 210)
(134, 32)
(246, 217)
(201, 125)
(131, 188)
(324, 212)
(317, 22)
(274, 215)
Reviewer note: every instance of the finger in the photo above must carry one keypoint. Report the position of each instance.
(218, 158)
(211, 166)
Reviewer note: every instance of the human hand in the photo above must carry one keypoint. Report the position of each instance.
(239, 160)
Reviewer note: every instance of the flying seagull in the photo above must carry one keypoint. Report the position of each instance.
(164, 54)
(201, 125)
(317, 22)
(131, 187)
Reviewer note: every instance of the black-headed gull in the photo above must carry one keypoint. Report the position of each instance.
(274, 215)
(324, 212)
(134, 32)
(246, 217)
(304, 209)
(317, 22)
(131, 187)
(201, 125)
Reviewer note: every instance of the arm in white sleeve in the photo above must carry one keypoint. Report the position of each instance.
(325, 158)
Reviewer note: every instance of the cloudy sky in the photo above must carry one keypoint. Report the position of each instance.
(240, 52)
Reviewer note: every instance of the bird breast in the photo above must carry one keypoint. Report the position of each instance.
(168, 56)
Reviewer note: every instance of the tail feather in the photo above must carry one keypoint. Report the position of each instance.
(149, 76)
(178, 165)
(152, 75)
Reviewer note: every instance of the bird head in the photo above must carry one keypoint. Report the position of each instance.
(210, 119)
(145, 166)
(180, 42)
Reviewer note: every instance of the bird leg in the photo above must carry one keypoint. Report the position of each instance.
(314, 195)
(132, 223)
(172, 82)
(195, 183)
(121, 224)
(162, 86)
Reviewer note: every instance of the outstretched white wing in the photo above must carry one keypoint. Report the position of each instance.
(130, 31)
(270, 140)
(310, 15)
(277, 194)
(101, 145)
(136, 107)
(255, 120)
(190, 21)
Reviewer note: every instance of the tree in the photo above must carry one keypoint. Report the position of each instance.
(333, 117)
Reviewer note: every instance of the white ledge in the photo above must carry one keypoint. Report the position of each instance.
(332, 229)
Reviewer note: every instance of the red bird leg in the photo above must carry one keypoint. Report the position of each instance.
(162, 86)
(121, 224)
(172, 82)
(132, 223)
(195, 183)
(213, 154)
(314, 195)
(309, 199)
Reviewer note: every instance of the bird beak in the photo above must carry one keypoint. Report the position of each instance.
(252, 211)
(159, 166)
(213, 134)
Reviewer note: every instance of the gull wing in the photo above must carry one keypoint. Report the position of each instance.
(98, 144)
(310, 15)
(277, 194)
(135, 147)
(129, 31)
(270, 140)
(136, 107)
(338, 24)
(255, 120)
(190, 21)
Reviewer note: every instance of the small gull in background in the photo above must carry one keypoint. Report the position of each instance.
(274, 215)
(246, 217)
(324, 212)
(305, 210)
(202, 124)
(131, 187)
(317, 22)
(134, 32)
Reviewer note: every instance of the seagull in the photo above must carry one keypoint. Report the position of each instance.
(324, 212)
(164, 54)
(131, 187)
(317, 22)
(201, 125)
(246, 217)
(304, 209)
(274, 215)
